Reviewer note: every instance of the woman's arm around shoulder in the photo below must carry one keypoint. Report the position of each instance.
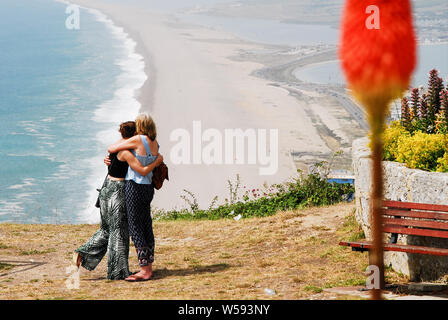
(137, 166)
(128, 144)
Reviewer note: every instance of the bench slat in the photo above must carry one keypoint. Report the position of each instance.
(398, 247)
(416, 223)
(413, 205)
(416, 214)
(415, 231)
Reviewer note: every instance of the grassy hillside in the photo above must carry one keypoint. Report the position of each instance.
(295, 253)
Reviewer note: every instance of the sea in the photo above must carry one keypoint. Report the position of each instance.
(430, 56)
(63, 93)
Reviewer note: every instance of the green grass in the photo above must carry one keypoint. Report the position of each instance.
(352, 227)
(36, 252)
(314, 289)
(5, 266)
(347, 283)
(4, 246)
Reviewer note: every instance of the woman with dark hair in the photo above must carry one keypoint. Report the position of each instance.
(113, 235)
(139, 191)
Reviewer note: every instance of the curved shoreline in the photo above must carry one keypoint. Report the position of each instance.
(124, 105)
(207, 75)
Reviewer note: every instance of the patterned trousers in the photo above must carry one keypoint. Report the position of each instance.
(138, 205)
(113, 235)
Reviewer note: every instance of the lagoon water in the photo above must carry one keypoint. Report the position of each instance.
(280, 33)
(429, 57)
(267, 31)
(54, 84)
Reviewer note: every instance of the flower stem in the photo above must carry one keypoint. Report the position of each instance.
(377, 258)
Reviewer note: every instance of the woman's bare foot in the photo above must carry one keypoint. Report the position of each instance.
(143, 275)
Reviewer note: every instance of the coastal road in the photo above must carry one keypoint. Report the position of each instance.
(356, 111)
(285, 74)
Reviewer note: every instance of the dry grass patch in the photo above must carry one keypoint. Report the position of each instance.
(295, 253)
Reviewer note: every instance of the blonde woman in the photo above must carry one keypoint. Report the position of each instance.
(140, 192)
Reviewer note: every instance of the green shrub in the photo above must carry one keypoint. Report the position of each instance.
(419, 138)
(418, 150)
(310, 190)
(425, 109)
(422, 150)
(442, 163)
(391, 137)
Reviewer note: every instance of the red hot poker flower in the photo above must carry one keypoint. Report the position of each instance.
(378, 63)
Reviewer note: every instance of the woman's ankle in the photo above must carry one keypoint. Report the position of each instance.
(147, 269)
(78, 260)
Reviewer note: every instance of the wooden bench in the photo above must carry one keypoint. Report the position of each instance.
(417, 219)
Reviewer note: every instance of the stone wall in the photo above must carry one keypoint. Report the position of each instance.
(409, 185)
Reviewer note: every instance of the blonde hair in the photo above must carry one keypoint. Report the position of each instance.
(145, 125)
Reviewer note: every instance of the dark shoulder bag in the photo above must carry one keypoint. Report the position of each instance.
(159, 174)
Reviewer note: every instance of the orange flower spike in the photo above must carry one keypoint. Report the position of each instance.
(378, 63)
(378, 58)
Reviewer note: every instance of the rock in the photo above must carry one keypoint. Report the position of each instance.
(269, 292)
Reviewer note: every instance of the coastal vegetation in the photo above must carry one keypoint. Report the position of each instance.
(420, 138)
(306, 190)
